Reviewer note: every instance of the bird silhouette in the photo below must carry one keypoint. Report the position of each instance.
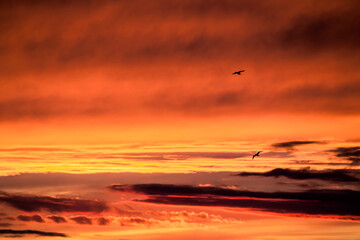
(256, 154)
(239, 72)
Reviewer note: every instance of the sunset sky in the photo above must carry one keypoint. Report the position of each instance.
(123, 120)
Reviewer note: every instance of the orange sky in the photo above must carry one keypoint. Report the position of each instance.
(96, 93)
(140, 64)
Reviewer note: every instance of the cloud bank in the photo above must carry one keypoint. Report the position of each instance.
(31, 203)
(337, 175)
(342, 203)
(20, 233)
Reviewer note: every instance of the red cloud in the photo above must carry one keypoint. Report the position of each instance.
(82, 220)
(34, 218)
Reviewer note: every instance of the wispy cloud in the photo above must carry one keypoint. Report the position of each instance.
(349, 153)
(291, 144)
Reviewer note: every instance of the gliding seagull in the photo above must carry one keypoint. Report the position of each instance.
(256, 154)
(239, 72)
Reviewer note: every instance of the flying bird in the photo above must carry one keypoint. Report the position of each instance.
(257, 154)
(239, 72)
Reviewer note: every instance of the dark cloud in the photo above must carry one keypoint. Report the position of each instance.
(312, 202)
(349, 153)
(171, 189)
(103, 221)
(143, 43)
(134, 221)
(30, 203)
(309, 26)
(82, 220)
(338, 175)
(335, 28)
(118, 46)
(15, 233)
(34, 218)
(292, 144)
(283, 206)
(57, 219)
